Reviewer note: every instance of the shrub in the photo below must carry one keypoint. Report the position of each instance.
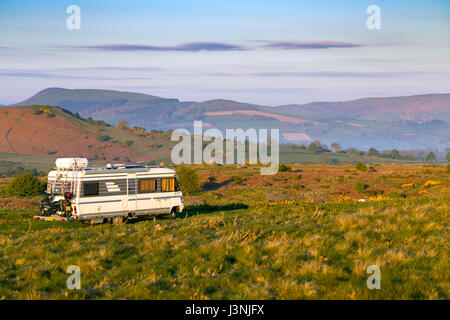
(284, 168)
(101, 123)
(129, 142)
(237, 179)
(361, 167)
(430, 183)
(37, 111)
(24, 185)
(90, 120)
(103, 138)
(360, 187)
(395, 195)
(188, 179)
(448, 168)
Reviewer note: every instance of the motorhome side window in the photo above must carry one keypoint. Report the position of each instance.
(148, 185)
(90, 188)
(169, 185)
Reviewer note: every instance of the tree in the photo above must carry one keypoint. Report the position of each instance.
(313, 147)
(123, 124)
(336, 147)
(447, 157)
(395, 154)
(24, 185)
(353, 151)
(372, 152)
(431, 157)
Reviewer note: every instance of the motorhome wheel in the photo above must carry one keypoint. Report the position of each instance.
(117, 220)
(173, 213)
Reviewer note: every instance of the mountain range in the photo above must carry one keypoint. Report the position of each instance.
(409, 122)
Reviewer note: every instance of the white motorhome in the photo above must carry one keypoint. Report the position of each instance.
(111, 193)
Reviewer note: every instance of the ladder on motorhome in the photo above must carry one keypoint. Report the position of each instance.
(62, 180)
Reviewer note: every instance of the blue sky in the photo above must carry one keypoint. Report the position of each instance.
(261, 51)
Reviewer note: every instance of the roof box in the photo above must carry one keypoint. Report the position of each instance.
(71, 163)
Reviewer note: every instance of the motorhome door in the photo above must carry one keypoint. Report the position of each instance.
(131, 187)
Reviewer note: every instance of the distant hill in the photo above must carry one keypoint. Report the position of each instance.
(384, 123)
(412, 108)
(53, 131)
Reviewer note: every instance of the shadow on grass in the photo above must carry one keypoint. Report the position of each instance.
(191, 210)
(211, 186)
(207, 208)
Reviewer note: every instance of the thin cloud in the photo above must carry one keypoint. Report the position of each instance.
(134, 69)
(82, 69)
(62, 77)
(325, 74)
(332, 74)
(188, 47)
(311, 45)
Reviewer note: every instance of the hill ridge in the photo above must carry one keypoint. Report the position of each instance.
(404, 122)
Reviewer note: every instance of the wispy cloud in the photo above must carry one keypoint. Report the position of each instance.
(326, 74)
(287, 45)
(113, 69)
(83, 69)
(189, 47)
(336, 74)
(39, 75)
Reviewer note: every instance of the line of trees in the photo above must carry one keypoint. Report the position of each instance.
(317, 147)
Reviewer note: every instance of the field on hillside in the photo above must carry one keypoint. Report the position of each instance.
(309, 233)
(47, 132)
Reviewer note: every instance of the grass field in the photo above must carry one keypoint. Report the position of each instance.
(306, 234)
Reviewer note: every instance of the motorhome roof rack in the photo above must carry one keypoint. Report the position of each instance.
(125, 166)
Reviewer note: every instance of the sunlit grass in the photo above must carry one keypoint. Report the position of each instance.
(231, 245)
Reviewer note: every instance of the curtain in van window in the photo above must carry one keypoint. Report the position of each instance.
(168, 184)
(147, 185)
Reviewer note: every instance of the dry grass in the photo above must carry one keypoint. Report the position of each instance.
(232, 243)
